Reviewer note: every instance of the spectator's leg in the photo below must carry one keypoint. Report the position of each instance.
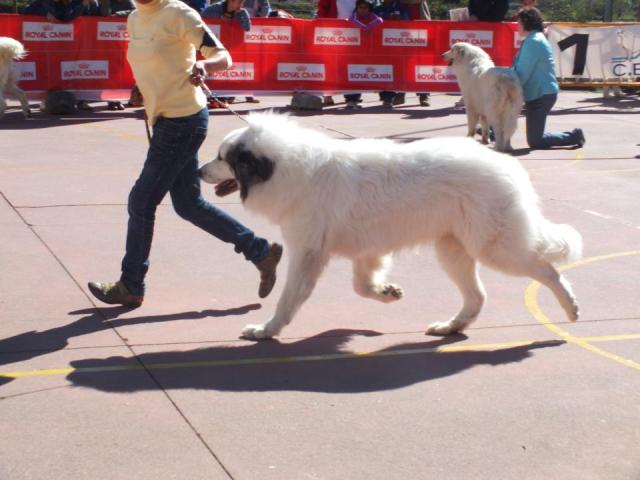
(387, 98)
(352, 100)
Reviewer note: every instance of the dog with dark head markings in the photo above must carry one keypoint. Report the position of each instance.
(364, 199)
(11, 50)
(492, 95)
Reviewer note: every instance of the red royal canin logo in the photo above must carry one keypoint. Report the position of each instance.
(267, 29)
(371, 69)
(83, 65)
(437, 70)
(122, 27)
(471, 35)
(47, 27)
(336, 32)
(301, 68)
(405, 33)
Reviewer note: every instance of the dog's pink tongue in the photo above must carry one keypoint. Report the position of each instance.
(225, 188)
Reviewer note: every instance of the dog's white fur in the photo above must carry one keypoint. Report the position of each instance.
(492, 95)
(11, 50)
(366, 198)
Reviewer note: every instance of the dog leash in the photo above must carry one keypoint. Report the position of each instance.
(208, 93)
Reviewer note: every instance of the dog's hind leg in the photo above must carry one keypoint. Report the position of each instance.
(304, 269)
(463, 270)
(369, 274)
(20, 95)
(545, 273)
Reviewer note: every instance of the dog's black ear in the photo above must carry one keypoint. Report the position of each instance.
(248, 168)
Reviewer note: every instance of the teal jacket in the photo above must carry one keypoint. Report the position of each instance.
(534, 67)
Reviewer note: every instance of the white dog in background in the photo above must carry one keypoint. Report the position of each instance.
(11, 50)
(492, 95)
(366, 198)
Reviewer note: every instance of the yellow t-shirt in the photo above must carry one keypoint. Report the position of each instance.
(163, 38)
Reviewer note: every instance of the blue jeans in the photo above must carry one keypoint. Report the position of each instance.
(536, 113)
(172, 166)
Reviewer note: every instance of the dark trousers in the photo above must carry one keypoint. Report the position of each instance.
(536, 112)
(172, 166)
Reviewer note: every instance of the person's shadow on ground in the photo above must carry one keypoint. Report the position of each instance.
(315, 364)
(28, 345)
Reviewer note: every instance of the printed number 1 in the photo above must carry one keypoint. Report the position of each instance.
(581, 41)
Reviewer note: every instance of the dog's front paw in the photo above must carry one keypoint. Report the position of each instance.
(256, 332)
(442, 328)
(391, 292)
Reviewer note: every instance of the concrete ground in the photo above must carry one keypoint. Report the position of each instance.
(353, 389)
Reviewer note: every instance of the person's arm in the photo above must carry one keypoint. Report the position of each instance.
(245, 20)
(375, 22)
(526, 61)
(216, 56)
(214, 10)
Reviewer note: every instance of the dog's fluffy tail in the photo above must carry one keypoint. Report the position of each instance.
(559, 243)
(11, 49)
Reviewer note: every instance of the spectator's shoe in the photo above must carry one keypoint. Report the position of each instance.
(459, 105)
(115, 294)
(115, 106)
(252, 100)
(579, 134)
(84, 106)
(352, 105)
(398, 100)
(387, 104)
(424, 100)
(327, 101)
(267, 268)
(216, 103)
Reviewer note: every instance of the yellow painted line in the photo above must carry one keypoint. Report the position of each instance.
(531, 301)
(612, 338)
(311, 358)
(294, 359)
(620, 170)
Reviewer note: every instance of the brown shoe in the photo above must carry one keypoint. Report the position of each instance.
(267, 267)
(115, 294)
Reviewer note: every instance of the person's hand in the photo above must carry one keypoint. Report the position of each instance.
(198, 75)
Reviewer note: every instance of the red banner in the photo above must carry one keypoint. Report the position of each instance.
(276, 55)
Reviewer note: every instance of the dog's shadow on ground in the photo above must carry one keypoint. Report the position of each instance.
(316, 364)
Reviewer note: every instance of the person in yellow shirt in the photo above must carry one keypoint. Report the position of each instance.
(163, 38)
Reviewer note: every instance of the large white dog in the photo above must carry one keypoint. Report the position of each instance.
(492, 95)
(11, 50)
(364, 199)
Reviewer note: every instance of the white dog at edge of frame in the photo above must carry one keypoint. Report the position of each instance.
(11, 50)
(364, 199)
